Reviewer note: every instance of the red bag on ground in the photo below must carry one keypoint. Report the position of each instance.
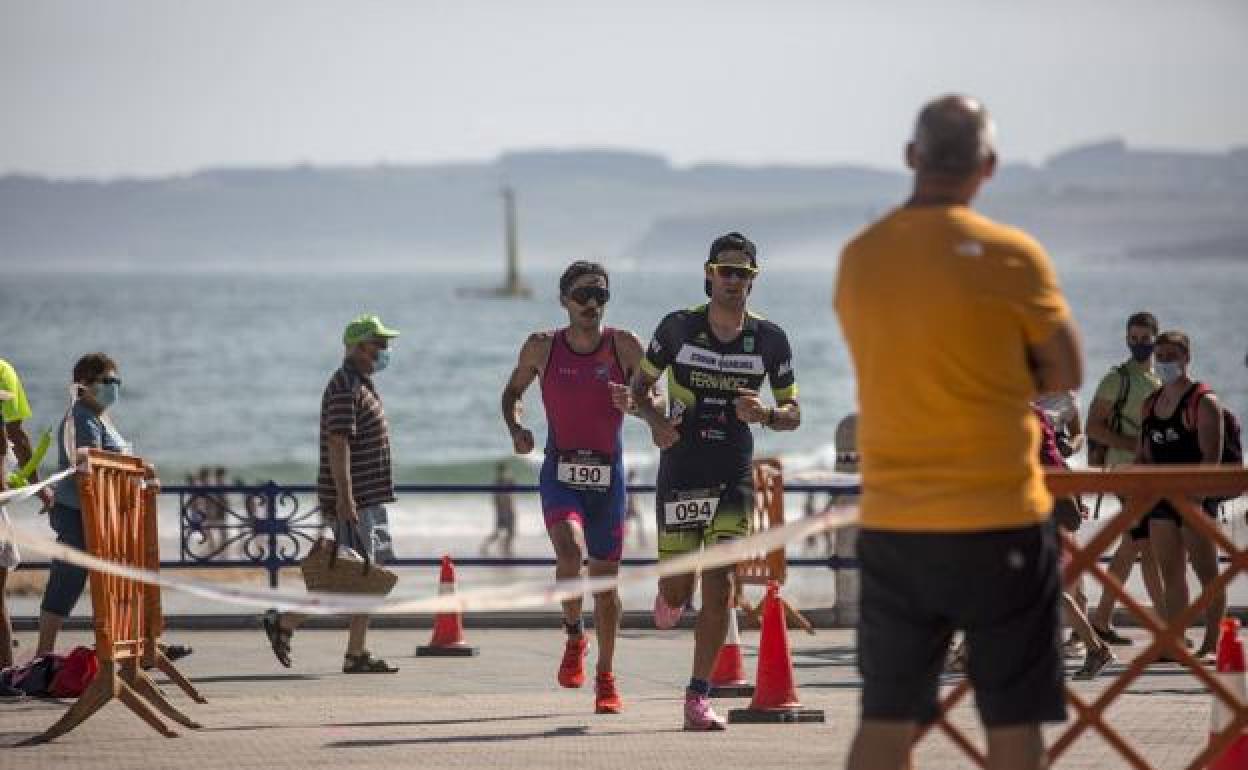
(79, 668)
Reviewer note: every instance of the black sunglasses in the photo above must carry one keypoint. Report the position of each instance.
(744, 272)
(583, 294)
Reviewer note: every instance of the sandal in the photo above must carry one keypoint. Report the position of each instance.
(279, 638)
(365, 663)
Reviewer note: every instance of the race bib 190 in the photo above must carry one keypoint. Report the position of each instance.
(584, 471)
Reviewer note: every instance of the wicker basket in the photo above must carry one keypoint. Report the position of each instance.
(332, 566)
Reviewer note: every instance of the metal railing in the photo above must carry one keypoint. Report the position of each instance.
(270, 526)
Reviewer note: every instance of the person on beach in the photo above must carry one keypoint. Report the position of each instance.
(354, 480)
(582, 368)
(1113, 434)
(97, 387)
(1068, 516)
(14, 411)
(632, 513)
(504, 514)
(716, 357)
(954, 324)
(1182, 425)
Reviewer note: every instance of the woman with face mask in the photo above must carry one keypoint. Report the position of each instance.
(86, 424)
(1182, 425)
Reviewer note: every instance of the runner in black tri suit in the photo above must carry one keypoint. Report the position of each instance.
(716, 357)
(1182, 425)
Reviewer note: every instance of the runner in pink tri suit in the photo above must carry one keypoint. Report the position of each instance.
(584, 370)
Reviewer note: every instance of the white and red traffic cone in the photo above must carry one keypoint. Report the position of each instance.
(1230, 672)
(448, 627)
(728, 679)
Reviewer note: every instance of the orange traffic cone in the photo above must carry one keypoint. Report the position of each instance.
(448, 627)
(728, 679)
(1231, 673)
(775, 699)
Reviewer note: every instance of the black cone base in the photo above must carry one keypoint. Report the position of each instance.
(453, 651)
(776, 716)
(732, 691)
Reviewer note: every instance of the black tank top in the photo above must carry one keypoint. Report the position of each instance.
(1170, 441)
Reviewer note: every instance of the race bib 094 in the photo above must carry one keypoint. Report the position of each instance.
(693, 511)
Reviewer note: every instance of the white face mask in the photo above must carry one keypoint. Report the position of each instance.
(1168, 371)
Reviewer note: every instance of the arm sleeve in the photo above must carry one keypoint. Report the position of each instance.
(663, 347)
(780, 370)
(340, 411)
(1039, 301)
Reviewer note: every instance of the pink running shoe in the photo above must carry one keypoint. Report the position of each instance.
(665, 617)
(699, 715)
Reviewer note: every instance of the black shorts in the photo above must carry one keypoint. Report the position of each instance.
(1164, 511)
(1002, 588)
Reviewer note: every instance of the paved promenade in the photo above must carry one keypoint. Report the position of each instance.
(503, 710)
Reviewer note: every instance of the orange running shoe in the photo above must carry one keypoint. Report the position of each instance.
(606, 699)
(572, 667)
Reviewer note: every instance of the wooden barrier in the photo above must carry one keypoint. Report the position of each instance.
(1141, 488)
(119, 519)
(763, 568)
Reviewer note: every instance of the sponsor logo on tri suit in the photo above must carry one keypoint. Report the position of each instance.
(784, 368)
(709, 381)
(602, 372)
(690, 355)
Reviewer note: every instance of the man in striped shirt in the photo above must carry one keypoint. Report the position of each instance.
(354, 480)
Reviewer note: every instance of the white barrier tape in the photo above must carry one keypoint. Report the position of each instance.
(30, 490)
(510, 597)
(824, 478)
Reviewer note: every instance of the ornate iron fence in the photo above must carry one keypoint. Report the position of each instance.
(275, 526)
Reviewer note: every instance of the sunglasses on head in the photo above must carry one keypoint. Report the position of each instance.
(744, 272)
(583, 294)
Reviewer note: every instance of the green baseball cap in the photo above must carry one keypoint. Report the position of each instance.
(364, 328)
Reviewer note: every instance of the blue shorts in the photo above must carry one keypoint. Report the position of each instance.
(600, 514)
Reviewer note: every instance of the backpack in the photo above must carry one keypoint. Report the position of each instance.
(1232, 443)
(1098, 453)
(77, 670)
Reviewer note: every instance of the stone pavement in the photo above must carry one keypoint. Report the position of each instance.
(503, 710)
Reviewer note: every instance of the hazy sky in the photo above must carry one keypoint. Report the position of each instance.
(110, 87)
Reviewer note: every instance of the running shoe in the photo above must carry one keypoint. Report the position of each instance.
(1098, 658)
(665, 617)
(699, 716)
(606, 699)
(1073, 648)
(1112, 636)
(572, 667)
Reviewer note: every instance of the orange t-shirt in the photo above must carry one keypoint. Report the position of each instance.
(938, 305)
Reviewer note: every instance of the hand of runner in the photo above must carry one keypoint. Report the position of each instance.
(522, 440)
(663, 431)
(621, 397)
(749, 407)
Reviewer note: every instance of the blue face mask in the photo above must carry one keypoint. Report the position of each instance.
(106, 393)
(382, 360)
(1168, 371)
